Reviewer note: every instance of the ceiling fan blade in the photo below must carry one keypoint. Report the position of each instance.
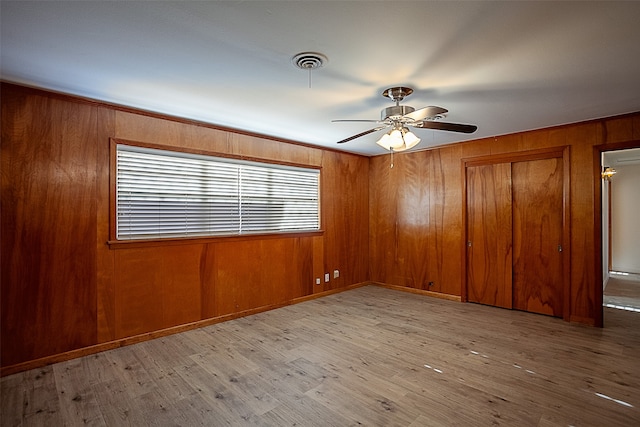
(366, 132)
(426, 112)
(453, 127)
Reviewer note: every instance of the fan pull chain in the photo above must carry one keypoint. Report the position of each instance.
(391, 167)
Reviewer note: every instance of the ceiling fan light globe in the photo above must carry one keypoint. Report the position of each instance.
(410, 140)
(385, 141)
(395, 139)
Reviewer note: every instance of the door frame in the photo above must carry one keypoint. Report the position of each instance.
(562, 152)
(597, 220)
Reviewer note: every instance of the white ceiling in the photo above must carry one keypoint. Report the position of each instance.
(504, 66)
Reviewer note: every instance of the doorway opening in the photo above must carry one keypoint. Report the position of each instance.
(619, 230)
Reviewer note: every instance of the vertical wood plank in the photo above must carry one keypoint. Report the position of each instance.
(156, 288)
(445, 220)
(538, 279)
(250, 274)
(413, 219)
(384, 187)
(300, 270)
(105, 259)
(318, 263)
(345, 216)
(48, 226)
(489, 259)
(583, 253)
(207, 281)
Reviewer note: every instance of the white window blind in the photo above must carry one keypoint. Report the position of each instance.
(165, 194)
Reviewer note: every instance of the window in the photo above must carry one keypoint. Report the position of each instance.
(166, 194)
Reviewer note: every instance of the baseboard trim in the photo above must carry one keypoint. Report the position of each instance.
(581, 319)
(419, 291)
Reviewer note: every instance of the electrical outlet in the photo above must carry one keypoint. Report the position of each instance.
(326, 277)
(336, 274)
(317, 280)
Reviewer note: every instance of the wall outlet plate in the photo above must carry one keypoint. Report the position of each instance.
(326, 277)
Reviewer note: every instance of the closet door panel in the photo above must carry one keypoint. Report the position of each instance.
(489, 235)
(537, 236)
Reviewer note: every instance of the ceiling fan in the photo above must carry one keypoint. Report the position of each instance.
(398, 117)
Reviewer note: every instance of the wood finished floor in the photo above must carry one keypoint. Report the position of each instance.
(369, 356)
(623, 292)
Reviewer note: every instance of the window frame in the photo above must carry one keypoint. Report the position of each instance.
(114, 243)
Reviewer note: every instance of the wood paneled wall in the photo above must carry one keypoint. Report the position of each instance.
(48, 228)
(64, 288)
(416, 215)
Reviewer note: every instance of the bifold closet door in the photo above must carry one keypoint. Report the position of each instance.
(489, 227)
(537, 236)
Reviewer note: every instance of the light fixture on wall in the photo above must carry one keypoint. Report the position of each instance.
(607, 173)
(398, 139)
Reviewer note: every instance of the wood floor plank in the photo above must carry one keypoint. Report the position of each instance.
(78, 403)
(116, 407)
(228, 408)
(303, 411)
(369, 356)
(12, 399)
(161, 371)
(40, 404)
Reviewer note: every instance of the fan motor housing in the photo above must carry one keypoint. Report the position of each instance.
(396, 111)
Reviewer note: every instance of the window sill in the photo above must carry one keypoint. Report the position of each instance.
(128, 244)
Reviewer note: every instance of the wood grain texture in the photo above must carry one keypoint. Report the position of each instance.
(538, 278)
(583, 254)
(105, 258)
(445, 225)
(369, 356)
(584, 289)
(63, 288)
(156, 288)
(489, 235)
(59, 280)
(345, 218)
(384, 189)
(136, 127)
(621, 129)
(48, 226)
(411, 174)
(415, 220)
(234, 276)
(318, 264)
(246, 275)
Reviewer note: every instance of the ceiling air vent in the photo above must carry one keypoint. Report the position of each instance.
(309, 61)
